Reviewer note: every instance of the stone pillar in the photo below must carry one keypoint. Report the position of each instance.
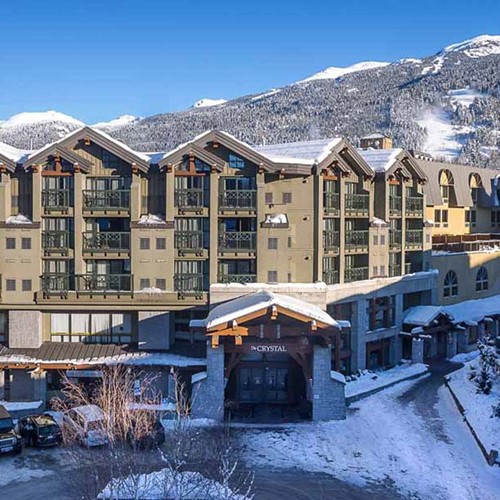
(417, 350)
(328, 387)
(214, 226)
(25, 329)
(395, 350)
(434, 346)
(207, 396)
(39, 386)
(461, 341)
(135, 195)
(359, 327)
(451, 344)
(154, 330)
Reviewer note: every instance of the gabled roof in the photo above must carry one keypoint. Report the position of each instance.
(262, 301)
(178, 154)
(102, 139)
(388, 161)
(59, 150)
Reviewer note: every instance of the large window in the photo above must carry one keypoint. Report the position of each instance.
(236, 161)
(381, 312)
(3, 327)
(450, 288)
(109, 160)
(98, 328)
(446, 184)
(481, 279)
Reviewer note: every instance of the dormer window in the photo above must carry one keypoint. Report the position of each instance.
(236, 161)
(446, 184)
(475, 184)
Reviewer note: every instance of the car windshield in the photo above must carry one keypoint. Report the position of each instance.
(47, 430)
(5, 424)
(95, 425)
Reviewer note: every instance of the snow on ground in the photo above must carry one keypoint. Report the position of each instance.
(206, 103)
(22, 119)
(465, 97)
(11, 471)
(443, 138)
(478, 407)
(436, 66)
(370, 381)
(265, 94)
(119, 122)
(464, 357)
(382, 440)
(334, 72)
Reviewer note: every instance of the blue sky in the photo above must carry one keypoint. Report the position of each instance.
(98, 59)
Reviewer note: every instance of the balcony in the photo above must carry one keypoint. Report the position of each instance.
(414, 205)
(394, 205)
(237, 278)
(56, 284)
(331, 276)
(112, 242)
(189, 241)
(190, 283)
(394, 239)
(106, 200)
(394, 270)
(238, 241)
(57, 200)
(413, 239)
(355, 274)
(189, 199)
(238, 199)
(331, 241)
(356, 241)
(104, 284)
(331, 203)
(57, 241)
(408, 268)
(357, 204)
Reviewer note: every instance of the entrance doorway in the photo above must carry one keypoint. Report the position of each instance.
(263, 383)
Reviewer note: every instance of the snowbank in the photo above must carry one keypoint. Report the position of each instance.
(478, 407)
(369, 381)
(464, 357)
(20, 405)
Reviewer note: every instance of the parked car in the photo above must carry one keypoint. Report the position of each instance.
(10, 441)
(87, 424)
(40, 430)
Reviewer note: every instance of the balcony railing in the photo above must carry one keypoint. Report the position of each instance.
(57, 283)
(394, 238)
(187, 198)
(394, 205)
(57, 240)
(56, 199)
(238, 199)
(414, 205)
(331, 202)
(189, 241)
(357, 203)
(408, 267)
(356, 240)
(413, 238)
(331, 240)
(104, 283)
(356, 274)
(106, 242)
(106, 199)
(331, 276)
(237, 241)
(237, 278)
(190, 282)
(394, 270)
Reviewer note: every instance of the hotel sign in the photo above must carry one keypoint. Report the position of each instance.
(264, 348)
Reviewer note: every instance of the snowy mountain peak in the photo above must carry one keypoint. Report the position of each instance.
(23, 119)
(333, 72)
(121, 121)
(206, 103)
(480, 46)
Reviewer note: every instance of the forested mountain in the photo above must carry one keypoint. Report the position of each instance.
(447, 104)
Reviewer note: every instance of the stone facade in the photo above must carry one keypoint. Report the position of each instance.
(25, 329)
(328, 392)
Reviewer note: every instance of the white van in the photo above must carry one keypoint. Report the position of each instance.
(87, 424)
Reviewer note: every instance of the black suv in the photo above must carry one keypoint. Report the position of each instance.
(40, 430)
(9, 439)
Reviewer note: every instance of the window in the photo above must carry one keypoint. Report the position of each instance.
(287, 198)
(11, 285)
(290, 278)
(290, 242)
(272, 276)
(382, 239)
(381, 312)
(375, 239)
(26, 285)
(26, 243)
(236, 161)
(272, 243)
(382, 270)
(446, 183)
(144, 283)
(450, 288)
(161, 283)
(10, 243)
(475, 184)
(437, 217)
(375, 271)
(444, 217)
(481, 279)
(161, 243)
(144, 243)
(109, 160)
(268, 198)
(441, 216)
(3, 327)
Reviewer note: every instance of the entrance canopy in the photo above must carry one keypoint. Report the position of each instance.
(259, 308)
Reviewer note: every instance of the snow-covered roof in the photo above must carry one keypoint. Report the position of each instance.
(303, 152)
(374, 135)
(380, 160)
(12, 153)
(469, 312)
(263, 299)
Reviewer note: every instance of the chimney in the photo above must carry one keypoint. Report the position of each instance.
(375, 141)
